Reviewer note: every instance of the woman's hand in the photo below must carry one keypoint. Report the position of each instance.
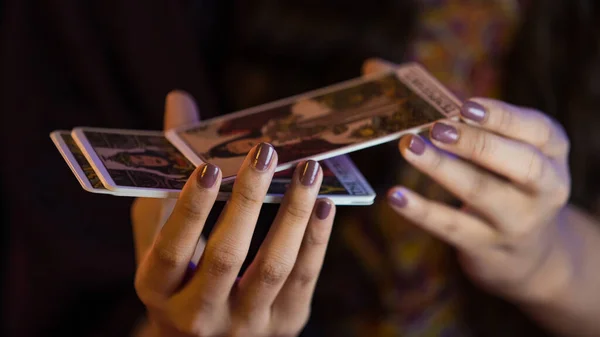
(272, 298)
(508, 165)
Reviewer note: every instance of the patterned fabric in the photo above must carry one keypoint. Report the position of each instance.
(411, 276)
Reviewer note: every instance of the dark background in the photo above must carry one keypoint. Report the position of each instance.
(67, 254)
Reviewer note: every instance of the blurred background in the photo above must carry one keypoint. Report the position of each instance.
(68, 255)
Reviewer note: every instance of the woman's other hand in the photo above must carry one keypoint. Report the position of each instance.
(509, 167)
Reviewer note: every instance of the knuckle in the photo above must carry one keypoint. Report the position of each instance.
(560, 196)
(528, 227)
(423, 213)
(147, 295)
(192, 325)
(482, 146)
(273, 272)
(478, 187)
(437, 161)
(192, 209)
(506, 118)
(168, 257)
(304, 277)
(544, 130)
(535, 169)
(317, 236)
(223, 261)
(247, 198)
(298, 211)
(451, 228)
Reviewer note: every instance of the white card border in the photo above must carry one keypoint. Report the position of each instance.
(92, 157)
(354, 172)
(339, 200)
(181, 144)
(69, 158)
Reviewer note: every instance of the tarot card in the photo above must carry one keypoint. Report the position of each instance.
(134, 163)
(324, 123)
(143, 164)
(79, 165)
(342, 182)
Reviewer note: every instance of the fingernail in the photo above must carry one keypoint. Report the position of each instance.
(416, 145)
(323, 209)
(473, 111)
(208, 176)
(263, 156)
(398, 199)
(444, 133)
(309, 173)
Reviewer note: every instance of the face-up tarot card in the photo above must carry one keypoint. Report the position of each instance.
(324, 123)
(144, 164)
(140, 163)
(79, 165)
(342, 183)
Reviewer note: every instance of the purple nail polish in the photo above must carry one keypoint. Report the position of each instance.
(323, 209)
(189, 273)
(473, 111)
(208, 175)
(310, 169)
(397, 198)
(263, 156)
(444, 133)
(416, 145)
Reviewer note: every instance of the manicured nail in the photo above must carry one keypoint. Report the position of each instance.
(208, 176)
(473, 111)
(323, 209)
(398, 199)
(416, 145)
(309, 173)
(263, 156)
(444, 133)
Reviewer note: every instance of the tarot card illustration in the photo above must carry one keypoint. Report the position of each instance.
(317, 125)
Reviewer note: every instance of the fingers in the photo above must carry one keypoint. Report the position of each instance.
(297, 291)
(162, 270)
(457, 228)
(522, 163)
(180, 109)
(474, 186)
(148, 215)
(277, 255)
(229, 241)
(522, 124)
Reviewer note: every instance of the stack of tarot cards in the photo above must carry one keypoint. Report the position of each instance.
(323, 125)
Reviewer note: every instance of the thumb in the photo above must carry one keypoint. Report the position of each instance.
(376, 65)
(180, 109)
(148, 215)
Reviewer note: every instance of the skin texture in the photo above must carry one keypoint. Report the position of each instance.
(517, 236)
(206, 297)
